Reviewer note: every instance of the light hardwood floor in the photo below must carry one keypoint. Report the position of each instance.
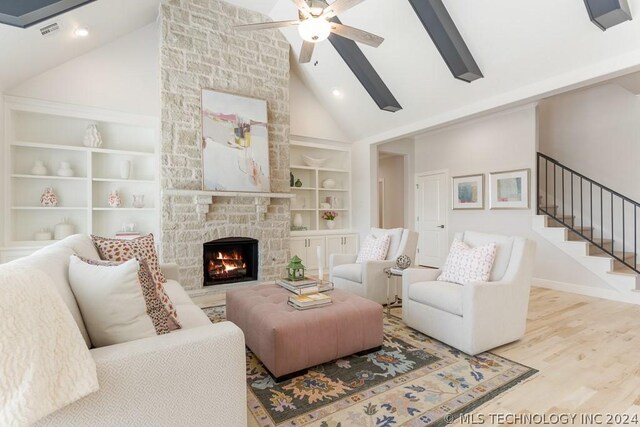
(587, 351)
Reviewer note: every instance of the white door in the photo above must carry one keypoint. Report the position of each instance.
(431, 209)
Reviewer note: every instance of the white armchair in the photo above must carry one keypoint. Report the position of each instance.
(368, 279)
(477, 316)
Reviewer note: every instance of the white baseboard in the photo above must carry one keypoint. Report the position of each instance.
(591, 291)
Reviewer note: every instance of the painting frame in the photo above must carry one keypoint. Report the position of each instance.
(234, 127)
(475, 179)
(496, 201)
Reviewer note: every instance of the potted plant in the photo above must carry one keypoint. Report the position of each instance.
(329, 218)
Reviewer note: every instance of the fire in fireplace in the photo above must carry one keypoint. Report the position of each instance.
(230, 260)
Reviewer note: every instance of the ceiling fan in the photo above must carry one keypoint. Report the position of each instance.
(315, 25)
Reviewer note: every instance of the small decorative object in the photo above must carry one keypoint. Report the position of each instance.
(333, 202)
(329, 183)
(128, 228)
(329, 219)
(295, 269)
(42, 235)
(138, 201)
(92, 137)
(125, 169)
(314, 163)
(65, 169)
(403, 261)
(298, 183)
(467, 192)
(62, 230)
(48, 198)
(115, 201)
(39, 168)
(235, 143)
(291, 179)
(297, 220)
(325, 205)
(509, 190)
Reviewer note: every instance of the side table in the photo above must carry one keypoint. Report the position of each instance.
(397, 301)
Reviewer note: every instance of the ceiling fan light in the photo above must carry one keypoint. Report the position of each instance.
(314, 30)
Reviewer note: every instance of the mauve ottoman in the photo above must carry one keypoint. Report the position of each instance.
(287, 340)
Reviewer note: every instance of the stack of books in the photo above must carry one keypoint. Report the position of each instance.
(127, 235)
(305, 286)
(306, 302)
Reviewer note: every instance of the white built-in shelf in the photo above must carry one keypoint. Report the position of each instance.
(80, 148)
(125, 209)
(322, 169)
(41, 208)
(120, 152)
(304, 209)
(132, 181)
(333, 189)
(178, 192)
(304, 188)
(49, 177)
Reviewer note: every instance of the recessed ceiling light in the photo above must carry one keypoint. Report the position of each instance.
(337, 93)
(81, 32)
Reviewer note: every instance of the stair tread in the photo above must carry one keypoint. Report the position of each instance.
(623, 271)
(619, 254)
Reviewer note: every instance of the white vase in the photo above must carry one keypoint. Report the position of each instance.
(297, 220)
(62, 230)
(330, 224)
(42, 235)
(114, 200)
(329, 183)
(125, 169)
(65, 169)
(39, 168)
(138, 201)
(92, 137)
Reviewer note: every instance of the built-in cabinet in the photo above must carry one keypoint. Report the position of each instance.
(52, 134)
(307, 248)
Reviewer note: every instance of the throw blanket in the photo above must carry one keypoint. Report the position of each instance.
(44, 362)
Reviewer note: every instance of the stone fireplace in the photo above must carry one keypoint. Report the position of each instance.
(230, 260)
(200, 50)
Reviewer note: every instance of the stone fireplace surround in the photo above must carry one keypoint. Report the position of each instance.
(199, 49)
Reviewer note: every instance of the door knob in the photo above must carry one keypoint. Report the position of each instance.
(441, 226)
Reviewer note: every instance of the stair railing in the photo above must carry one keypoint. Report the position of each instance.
(550, 171)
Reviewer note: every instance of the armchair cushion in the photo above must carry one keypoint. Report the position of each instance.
(445, 296)
(504, 246)
(465, 264)
(374, 249)
(395, 236)
(351, 272)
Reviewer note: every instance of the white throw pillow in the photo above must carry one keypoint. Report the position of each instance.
(111, 301)
(374, 248)
(395, 238)
(465, 264)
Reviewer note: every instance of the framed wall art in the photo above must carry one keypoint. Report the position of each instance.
(467, 192)
(509, 189)
(235, 143)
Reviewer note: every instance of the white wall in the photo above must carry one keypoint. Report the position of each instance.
(391, 171)
(308, 117)
(503, 141)
(406, 148)
(122, 75)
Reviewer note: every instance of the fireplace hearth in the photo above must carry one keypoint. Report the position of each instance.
(230, 260)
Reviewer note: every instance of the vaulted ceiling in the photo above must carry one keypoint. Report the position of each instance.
(524, 48)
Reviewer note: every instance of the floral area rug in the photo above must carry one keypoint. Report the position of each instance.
(413, 380)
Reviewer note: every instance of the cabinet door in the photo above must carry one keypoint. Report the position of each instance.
(311, 262)
(350, 244)
(334, 246)
(298, 247)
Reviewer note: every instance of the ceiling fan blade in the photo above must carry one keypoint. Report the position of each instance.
(302, 6)
(306, 52)
(339, 6)
(356, 34)
(265, 25)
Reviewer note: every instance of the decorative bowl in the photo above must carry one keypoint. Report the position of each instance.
(314, 163)
(329, 183)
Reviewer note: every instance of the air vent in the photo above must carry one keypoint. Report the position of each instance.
(49, 30)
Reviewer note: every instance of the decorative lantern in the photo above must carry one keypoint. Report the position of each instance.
(295, 269)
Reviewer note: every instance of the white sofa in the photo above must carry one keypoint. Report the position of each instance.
(194, 376)
(368, 279)
(477, 316)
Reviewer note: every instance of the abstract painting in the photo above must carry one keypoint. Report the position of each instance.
(510, 189)
(235, 143)
(468, 192)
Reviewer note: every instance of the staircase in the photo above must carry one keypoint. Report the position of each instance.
(590, 222)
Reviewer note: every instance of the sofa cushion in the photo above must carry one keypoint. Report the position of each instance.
(374, 249)
(395, 235)
(191, 316)
(465, 264)
(351, 272)
(111, 300)
(82, 245)
(444, 296)
(504, 245)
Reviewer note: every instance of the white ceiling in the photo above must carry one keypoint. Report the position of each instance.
(24, 53)
(517, 44)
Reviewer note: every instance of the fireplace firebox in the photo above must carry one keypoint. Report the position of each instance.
(230, 260)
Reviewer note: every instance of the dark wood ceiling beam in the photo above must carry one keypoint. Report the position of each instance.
(445, 35)
(23, 14)
(608, 13)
